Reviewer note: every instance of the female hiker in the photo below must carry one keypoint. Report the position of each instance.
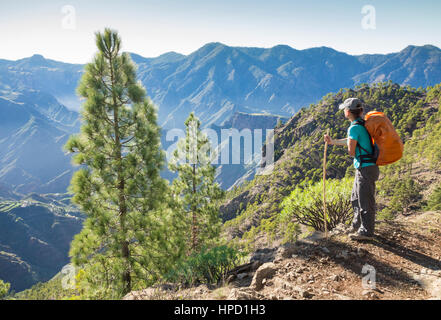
(366, 171)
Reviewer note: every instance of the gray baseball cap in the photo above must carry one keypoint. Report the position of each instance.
(351, 104)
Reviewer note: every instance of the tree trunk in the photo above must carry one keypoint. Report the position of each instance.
(194, 231)
(126, 277)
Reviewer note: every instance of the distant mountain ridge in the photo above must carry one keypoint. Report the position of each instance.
(217, 80)
(414, 66)
(230, 174)
(241, 120)
(58, 79)
(33, 129)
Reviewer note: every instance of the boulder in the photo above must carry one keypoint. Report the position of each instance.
(265, 271)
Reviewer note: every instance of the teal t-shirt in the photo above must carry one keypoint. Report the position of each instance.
(359, 133)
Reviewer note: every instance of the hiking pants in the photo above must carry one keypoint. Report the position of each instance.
(363, 199)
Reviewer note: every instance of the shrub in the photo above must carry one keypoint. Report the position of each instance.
(434, 201)
(385, 215)
(402, 194)
(206, 266)
(4, 289)
(305, 205)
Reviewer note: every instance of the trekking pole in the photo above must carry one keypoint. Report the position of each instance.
(324, 187)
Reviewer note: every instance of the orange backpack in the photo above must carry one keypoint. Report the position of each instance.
(384, 135)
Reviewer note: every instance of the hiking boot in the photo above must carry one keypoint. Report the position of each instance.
(360, 237)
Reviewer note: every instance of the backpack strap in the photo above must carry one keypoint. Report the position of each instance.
(370, 157)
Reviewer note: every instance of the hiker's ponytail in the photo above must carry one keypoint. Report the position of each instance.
(357, 112)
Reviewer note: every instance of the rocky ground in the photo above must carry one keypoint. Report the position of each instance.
(404, 260)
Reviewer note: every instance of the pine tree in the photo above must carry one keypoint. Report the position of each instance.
(434, 201)
(4, 289)
(126, 236)
(196, 186)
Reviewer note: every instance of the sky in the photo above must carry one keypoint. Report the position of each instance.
(64, 30)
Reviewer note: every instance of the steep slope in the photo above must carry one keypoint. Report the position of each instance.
(56, 78)
(241, 120)
(414, 66)
(35, 236)
(48, 106)
(6, 193)
(252, 208)
(404, 262)
(230, 174)
(33, 129)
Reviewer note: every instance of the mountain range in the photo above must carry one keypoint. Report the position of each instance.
(34, 126)
(217, 80)
(227, 87)
(39, 107)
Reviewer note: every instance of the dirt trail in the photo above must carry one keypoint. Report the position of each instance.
(404, 260)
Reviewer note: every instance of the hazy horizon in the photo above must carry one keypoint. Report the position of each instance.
(153, 57)
(64, 31)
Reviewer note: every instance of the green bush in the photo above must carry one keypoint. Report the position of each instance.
(402, 194)
(385, 215)
(206, 266)
(4, 289)
(434, 201)
(305, 205)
